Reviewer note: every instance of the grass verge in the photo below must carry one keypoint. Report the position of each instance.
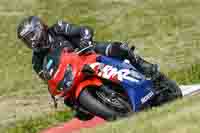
(35, 124)
(187, 76)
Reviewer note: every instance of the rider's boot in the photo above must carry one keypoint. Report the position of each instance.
(122, 51)
(148, 69)
(145, 67)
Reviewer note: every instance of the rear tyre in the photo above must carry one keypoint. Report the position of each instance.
(97, 107)
(167, 89)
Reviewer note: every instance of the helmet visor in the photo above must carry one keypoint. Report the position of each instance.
(33, 38)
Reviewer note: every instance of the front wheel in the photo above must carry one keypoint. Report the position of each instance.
(96, 106)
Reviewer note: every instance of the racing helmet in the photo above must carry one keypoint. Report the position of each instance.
(33, 32)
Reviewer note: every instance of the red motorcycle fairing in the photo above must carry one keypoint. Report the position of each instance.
(87, 83)
(77, 62)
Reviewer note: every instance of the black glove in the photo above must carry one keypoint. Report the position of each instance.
(85, 43)
(129, 52)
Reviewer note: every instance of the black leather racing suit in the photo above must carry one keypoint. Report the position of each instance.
(61, 33)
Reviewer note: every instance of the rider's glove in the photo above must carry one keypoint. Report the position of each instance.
(85, 43)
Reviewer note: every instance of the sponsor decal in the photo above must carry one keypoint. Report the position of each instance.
(113, 73)
(147, 97)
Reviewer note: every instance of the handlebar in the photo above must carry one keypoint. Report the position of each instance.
(84, 50)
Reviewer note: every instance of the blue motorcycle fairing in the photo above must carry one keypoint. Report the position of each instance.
(140, 90)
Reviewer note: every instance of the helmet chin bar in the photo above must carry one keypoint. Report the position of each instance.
(40, 45)
(39, 49)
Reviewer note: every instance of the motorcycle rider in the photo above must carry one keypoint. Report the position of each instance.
(42, 39)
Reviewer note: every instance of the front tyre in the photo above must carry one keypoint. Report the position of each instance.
(95, 106)
(83, 116)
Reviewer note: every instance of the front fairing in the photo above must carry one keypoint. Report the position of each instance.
(76, 62)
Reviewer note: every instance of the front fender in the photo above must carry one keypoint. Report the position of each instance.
(85, 83)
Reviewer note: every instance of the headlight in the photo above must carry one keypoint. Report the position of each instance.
(67, 81)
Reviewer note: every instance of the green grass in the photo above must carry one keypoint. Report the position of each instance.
(34, 125)
(187, 76)
(164, 32)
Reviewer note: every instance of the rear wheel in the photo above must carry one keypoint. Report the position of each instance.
(167, 90)
(98, 103)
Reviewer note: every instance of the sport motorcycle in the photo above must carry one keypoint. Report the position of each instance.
(97, 85)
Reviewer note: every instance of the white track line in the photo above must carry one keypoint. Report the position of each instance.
(188, 90)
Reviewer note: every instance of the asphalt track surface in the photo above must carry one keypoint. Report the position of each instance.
(74, 125)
